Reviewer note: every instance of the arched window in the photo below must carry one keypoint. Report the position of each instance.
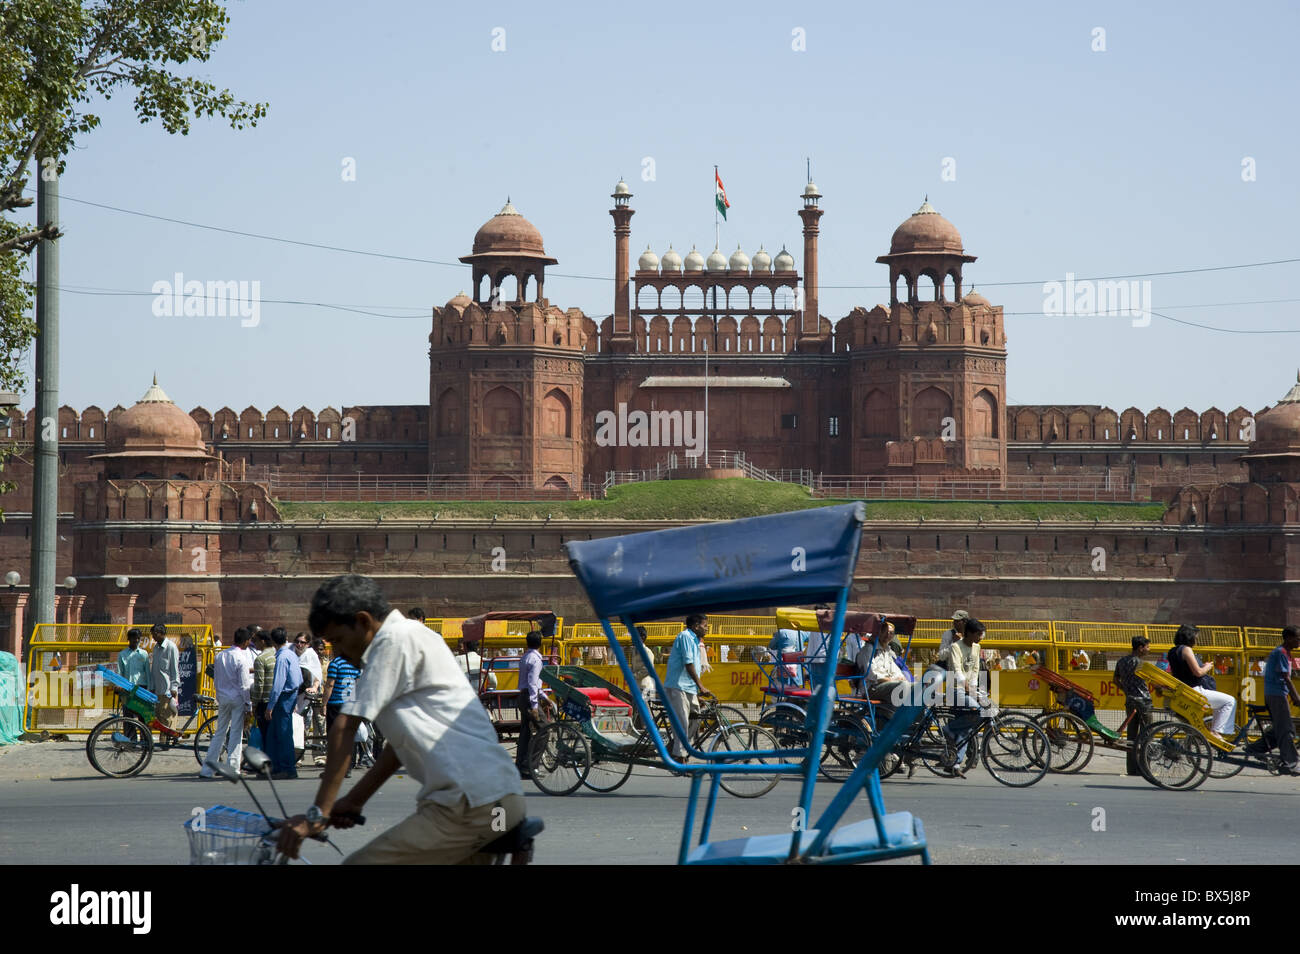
(877, 415)
(984, 415)
(556, 414)
(503, 413)
(450, 419)
(929, 408)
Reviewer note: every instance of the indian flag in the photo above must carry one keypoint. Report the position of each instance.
(720, 198)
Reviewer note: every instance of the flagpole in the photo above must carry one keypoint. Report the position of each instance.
(717, 243)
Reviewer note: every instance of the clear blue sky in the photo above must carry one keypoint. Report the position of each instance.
(1067, 160)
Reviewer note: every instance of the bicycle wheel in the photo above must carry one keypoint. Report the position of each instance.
(1016, 750)
(786, 724)
(203, 738)
(1070, 739)
(847, 740)
(559, 758)
(607, 774)
(1223, 769)
(120, 747)
(936, 750)
(728, 715)
(892, 760)
(746, 737)
(1174, 756)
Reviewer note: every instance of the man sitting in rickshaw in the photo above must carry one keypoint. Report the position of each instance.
(883, 677)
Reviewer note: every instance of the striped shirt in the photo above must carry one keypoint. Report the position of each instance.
(343, 675)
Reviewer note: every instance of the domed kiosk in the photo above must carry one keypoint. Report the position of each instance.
(154, 440)
(1274, 455)
(508, 245)
(926, 245)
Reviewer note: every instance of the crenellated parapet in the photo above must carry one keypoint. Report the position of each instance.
(376, 423)
(1096, 424)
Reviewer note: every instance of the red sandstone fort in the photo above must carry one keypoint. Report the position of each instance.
(521, 396)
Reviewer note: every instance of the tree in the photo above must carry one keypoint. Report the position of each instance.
(58, 57)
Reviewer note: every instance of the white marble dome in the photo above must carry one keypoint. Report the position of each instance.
(648, 262)
(671, 262)
(695, 261)
(717, 261)
(762, 261)
(784, 261)
(739, 261)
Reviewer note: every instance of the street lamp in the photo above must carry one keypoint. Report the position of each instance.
(122, 582)
(69, 583)
(13, 578)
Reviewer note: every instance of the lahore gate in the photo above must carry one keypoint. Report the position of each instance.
(528, 400)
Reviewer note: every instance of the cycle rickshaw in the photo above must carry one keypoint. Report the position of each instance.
(122, 745)
(803, 557)
(1177, 753)
(595, 741)
(790, 681)
(501, 704)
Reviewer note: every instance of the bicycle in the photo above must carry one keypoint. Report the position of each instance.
(1015, 749)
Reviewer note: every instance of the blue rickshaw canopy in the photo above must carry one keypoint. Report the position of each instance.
(806, 556)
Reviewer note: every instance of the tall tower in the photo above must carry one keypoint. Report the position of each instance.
(622, 337)
(505, 376)
(810, 337)
(929, 379)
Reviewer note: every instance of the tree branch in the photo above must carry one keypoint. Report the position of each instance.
(28, 240)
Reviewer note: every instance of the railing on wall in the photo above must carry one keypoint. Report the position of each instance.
(312, 488)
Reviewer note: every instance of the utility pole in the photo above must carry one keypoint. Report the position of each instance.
(45, 483)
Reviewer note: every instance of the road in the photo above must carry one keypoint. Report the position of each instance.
(54, 809)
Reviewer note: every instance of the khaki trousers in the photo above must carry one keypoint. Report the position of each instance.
(442, 835)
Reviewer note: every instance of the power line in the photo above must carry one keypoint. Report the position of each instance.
(605, 278)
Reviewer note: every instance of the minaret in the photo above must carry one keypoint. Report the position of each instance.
(810, 324)
(622, 213)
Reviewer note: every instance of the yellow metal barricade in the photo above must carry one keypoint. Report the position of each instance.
(65, 694)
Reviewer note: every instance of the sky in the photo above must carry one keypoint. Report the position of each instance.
(1173, 149)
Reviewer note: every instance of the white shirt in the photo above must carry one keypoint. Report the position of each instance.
(233, 675)
(412, 688)
(311, 662)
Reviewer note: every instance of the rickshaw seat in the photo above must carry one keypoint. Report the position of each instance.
(796, 693)
(902, 832)
(600, 698)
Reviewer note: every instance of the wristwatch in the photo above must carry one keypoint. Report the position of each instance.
(315, 816)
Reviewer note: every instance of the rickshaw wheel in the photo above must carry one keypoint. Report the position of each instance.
(607, 775)
(786, 724)
(740, 738)
(1174, 756)
(120, 747)
(1222, 769)
(203, 738)
(847, 740)
(1015, 750)
(559, 758)
(1071, 741)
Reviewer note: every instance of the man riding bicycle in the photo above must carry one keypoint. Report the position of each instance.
(412, 689)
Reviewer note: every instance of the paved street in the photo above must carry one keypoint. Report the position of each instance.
(55, 809)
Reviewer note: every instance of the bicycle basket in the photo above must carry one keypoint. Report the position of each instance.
(227, 836)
